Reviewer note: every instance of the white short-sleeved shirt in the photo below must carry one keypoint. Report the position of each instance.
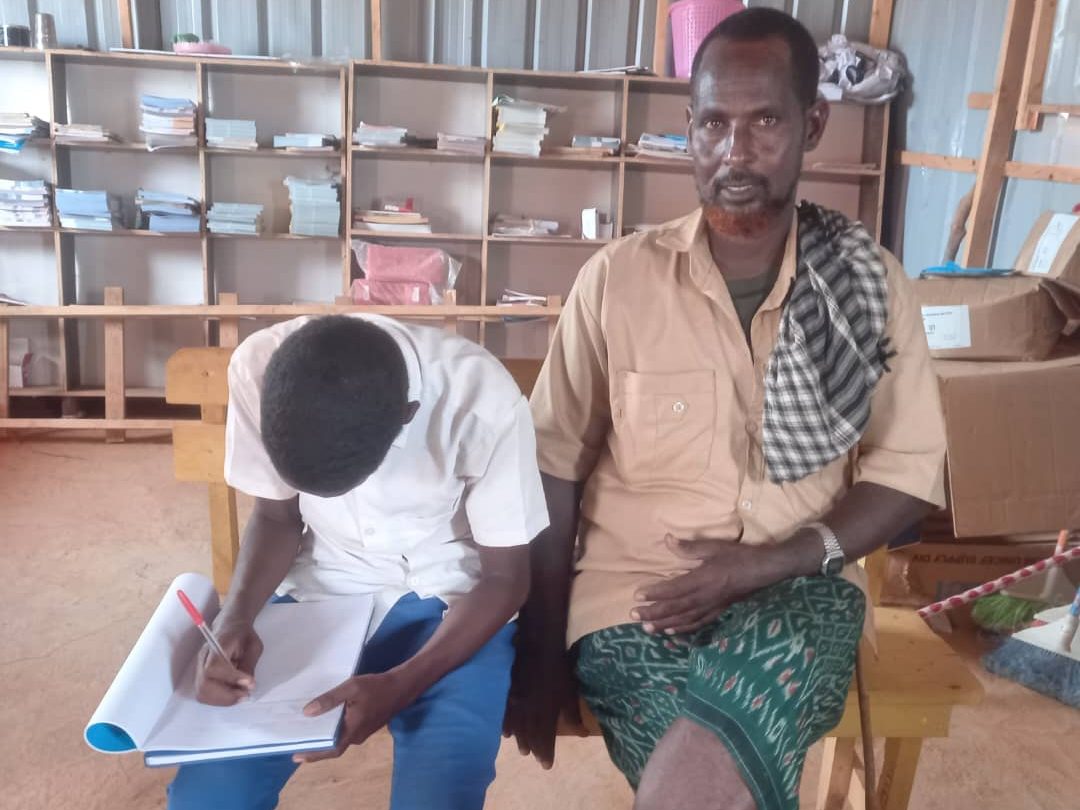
(462, 473)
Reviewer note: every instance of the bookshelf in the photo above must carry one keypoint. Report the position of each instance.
(175, 286)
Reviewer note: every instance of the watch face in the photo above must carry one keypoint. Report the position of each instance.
(834, 566)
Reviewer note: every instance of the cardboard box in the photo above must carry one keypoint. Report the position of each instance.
(927, 572)
(1011, 318)
(1013, 432)
(1052, 249)
(18, 361)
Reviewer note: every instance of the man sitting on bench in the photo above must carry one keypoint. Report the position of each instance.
(736, 404)
(392, 460)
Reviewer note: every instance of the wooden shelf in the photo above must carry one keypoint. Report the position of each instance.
(411, 153)
(26, 229)
(127, 232)
(140, 148)
(60, 391)
(216, 311)
(648, 161)
(268, 152)
(555, 159)
(568, 241)
(359, 233)
(255, 237)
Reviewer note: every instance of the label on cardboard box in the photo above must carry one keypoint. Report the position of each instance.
(947, 327)
(1053, 237)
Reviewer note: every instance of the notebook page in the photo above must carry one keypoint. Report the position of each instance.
(133, 704)
(309, 647)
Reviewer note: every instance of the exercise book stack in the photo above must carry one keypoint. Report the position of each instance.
(521, 126)
(228, 133)
(243, 219)
(315, 206)
(465, 144)
(88, 210)
(84, 133)
(305, 142)
(167, 123)
(167, 212)
(17, 128)
(25, 204)
(374, 136)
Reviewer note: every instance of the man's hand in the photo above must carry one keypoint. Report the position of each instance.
(543, 689)
(726, 572)
(370, 702)
(223, 683)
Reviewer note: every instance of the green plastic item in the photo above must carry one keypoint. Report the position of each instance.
(185, 38)
(1001, 613)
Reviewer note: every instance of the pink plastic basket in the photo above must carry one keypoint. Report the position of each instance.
(691, 21)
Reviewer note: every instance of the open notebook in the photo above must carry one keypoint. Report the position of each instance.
(310, 647)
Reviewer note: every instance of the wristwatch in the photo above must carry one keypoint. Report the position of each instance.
(833, 561)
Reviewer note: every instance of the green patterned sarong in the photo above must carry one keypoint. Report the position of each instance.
(770, 677)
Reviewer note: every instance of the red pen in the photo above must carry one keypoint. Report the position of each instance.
(200, 622)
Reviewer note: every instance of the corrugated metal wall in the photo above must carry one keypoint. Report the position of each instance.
(545, 34)
(952, 49)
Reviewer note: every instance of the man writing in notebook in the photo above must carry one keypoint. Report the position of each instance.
(736, 407)
(392, 460)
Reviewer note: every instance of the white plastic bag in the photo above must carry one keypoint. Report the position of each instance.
(862, 73)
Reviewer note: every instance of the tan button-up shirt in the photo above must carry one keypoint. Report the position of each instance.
(652, 396)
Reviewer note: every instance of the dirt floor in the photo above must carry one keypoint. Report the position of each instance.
(93, 533)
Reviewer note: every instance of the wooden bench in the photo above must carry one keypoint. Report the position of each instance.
(913, 682)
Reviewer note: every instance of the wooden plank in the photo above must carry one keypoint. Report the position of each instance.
(199, 452)
(1042, 171)
(468, 311)
(198, 376)
(1057, 109)
(980, 101)
(881, 23)
(127, 30)
(224, 535)
(837, 764)
(898, 773)
(927, 160)
(5, 370)
(997, 141)
(228, 328)
(660, 38)
(1038, 53)
(114, 364)
(376, 30)
(89, 424)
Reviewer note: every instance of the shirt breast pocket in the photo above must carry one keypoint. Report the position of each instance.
(665, 425)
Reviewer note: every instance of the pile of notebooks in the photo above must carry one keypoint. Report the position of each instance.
(374, 136)
(167, 122)
(306, 142)
(466, 144)
(88, 210)
(511, 298)
(83, 133)
(521, 126)
(17, 128)
(315, 206)
(235, 218)
(25, 204)
(229, 133)
(665, 146)
(391, 221)
(508, 225)
(167, 212)
(599, 145)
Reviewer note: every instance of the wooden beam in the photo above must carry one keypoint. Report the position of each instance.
(1056, 109)
(898, 770)
(881, 23)
(465, 311)
(979, 101)
(224, 535)
(660, 39)
(837, 764)
(127, 29)
(1038, 52)
(114, 364)
(1042, 171)
(89, 424)
(229, 328)
(376, 33)
(5, 381)
(927, 160)
(997, 142)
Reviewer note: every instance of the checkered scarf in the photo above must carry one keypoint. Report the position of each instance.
(831, 349)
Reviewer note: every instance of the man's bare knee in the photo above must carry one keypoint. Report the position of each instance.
(691, 768)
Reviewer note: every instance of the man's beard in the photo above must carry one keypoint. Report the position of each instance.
(743, 224)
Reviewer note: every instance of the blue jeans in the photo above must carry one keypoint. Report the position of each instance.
(444, 744)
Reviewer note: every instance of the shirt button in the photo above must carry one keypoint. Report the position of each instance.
(747, 504)
(679, 407)
(752, 428)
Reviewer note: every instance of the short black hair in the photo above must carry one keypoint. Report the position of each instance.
(755, 24)
(334, 398)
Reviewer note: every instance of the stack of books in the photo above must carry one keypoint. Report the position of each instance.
(235, 218)
(315, 206)
(229, 133)
(665, 146)
(167, 212)
(25, 204)
(167, 123)
(17, 128)
(466, 144)
(305, 142)
(511, 298)
(391, 221)
(88, 210)
(508, 225)
(521, 126)
(599, 145)
(374, 136)
(83, 133)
